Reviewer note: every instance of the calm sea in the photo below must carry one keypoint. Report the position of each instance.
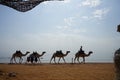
(7, 60)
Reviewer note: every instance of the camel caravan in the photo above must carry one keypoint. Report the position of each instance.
(34, 58)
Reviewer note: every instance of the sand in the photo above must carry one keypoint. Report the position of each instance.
(88, 71)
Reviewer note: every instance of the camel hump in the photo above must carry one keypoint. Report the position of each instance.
(81, 52)
(18, 51)
(59, 52)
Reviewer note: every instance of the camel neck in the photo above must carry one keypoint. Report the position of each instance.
(66, 54)
(88, 54)
(25, 54)
(42, 54)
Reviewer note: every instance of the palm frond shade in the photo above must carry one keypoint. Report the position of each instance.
(23, 5)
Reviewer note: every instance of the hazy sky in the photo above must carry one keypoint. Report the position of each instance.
(62, 25)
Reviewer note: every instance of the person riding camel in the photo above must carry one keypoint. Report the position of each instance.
(81, 50)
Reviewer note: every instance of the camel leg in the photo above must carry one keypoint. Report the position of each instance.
(28, 59)
(75, 59)
(54, 60)
(63, 59)
(15, 60)
(20, 60)
(39, 60)
(78, 59)
(59, 59)
(51, 59)
(84, 60)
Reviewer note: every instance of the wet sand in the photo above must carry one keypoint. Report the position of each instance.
(88, 71)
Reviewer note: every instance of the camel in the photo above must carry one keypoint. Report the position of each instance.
(81, 54)
(18, 54)
(35, 57)
(60, 55)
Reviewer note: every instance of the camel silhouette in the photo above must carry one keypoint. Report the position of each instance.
(81, 54)
(18, 54)
(35, 57)
(60, 55)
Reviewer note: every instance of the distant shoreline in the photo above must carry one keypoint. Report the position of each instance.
(64, 63)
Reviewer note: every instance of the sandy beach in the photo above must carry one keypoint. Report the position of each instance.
(88, 71)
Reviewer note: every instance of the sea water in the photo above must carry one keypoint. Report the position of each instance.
(46, 60)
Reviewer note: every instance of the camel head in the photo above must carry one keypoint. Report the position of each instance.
(67, 51)
(90, 52)
(43, 52)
